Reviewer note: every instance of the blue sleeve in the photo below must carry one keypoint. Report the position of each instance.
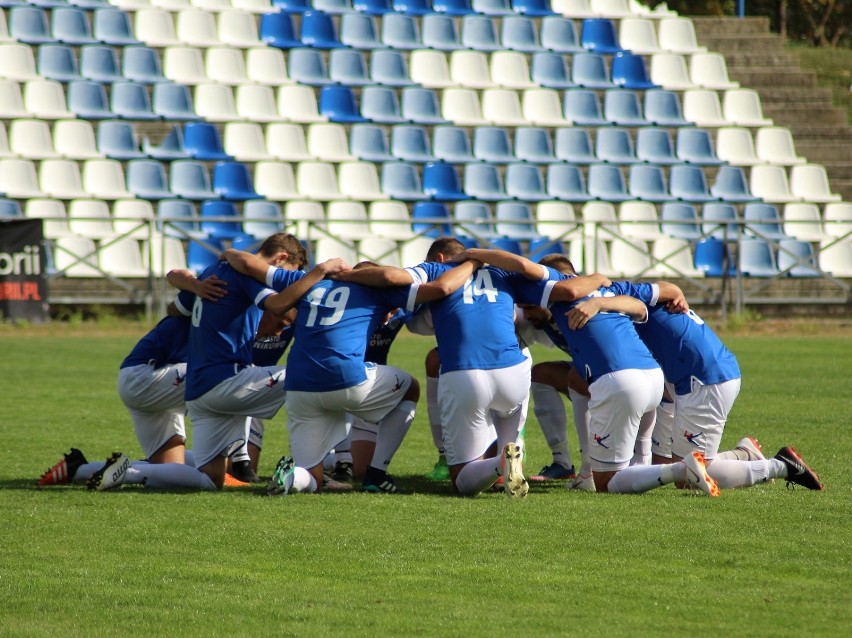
(283, 278)
(643, 292)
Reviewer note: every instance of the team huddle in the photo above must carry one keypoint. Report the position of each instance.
(650, 384)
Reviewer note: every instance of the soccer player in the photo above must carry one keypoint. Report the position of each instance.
(625, 381)
(484, 377)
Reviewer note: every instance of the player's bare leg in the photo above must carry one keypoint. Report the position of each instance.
(172, 451)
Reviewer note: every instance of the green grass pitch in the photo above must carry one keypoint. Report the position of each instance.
(764, 561)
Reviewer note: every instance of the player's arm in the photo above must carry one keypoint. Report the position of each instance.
(280, 302)
(211, 288)
(247, 264)
(507, 261)
(578, 287)
(673, 297)
(376, 276)
(447, 283)
(580, 314)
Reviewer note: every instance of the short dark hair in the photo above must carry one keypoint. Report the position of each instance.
(558, 262)
(447, 246)
(285, 242)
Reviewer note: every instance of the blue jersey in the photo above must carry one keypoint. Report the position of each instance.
(608, 342)
(222, 335)
(688, 351)
(267, 351)
(166, 343)
(334, 321)
(475, 325)
(382, 338)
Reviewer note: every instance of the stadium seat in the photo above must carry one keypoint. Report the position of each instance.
(638, 35)
(559, 34)
(412, 7)
(202, 253)
(196, 27)
(245, 141)
(473, 219)
(257, 103)
(100, 63)
(75, 139)
(551, 70)
(510, 70)
(695, 146)
(276, 181)
(238, 28)
(123, 259)
(170, 147)
(277, 30)
(680, 221)
(763, 222)
(492, 7)
(190, 179)
(45, 99)
(90, 218)
(225, 65)
(440, 33)
(492, 144)
(557, 221)
(614, 145)
(299, 104)
(11, 100)
(31, 139)
(431, 219)
(219, 220)
(10, 210)
(622, 108)
(411, 144)
(520, 33)
(17, 62)
(347, 220)
(232, 181)
(677, 35)
(52, 213)
(755, 258)
(328, 142)
(796, 258)
(360, 181)
(349, 67)
(713, 257)
(720, 221)
(803, 222)
(533, 144)
(430, 69)
(400, 31)
(29, 24)
(709, 71)
(543, 246)
(639, 220)
(286, 141)
(60, 179)
(141, 64)
(338, 104)
(701, 106)
(262, 218)
(574, 145)
(112, 26)
(838, 219)
(734, 145)
(184, 65)
(654, 145)
(479, 33)
(503, 107)
(147, 179)
(202, 142)
(389, 68)
(452, 7)
(441, 182)
(420, 105)
(333, 6)
(663, 108)
(18, 179)
(525, 182)
(370, 143)
(774, 145)
(462, 107)
(600, 220)
(70, 25)
(293, 6)
(76, 256)
(731, 185)
(318, 181)
(470, 69)
(835, 258)
(507, 244)
(630, 258)
(358, 31)
(401, 181)
(175, 218)
(565, 182)
(590, 71)
(118, 140)
(55, 62)
(770, 184)
(611, 8)
(648, 183)
(319, 31)
(629, 72)
(515, 220)
(307, 66)
(689, 184)
(809, 182)
(104, 179)
(598, 35)
(583, 108)
(155, 27)
(452, 144)
(669, 70)
(130, 101)
(266, 66)
(543, 107)
(673, 258)
(741, 107)
(390, 220)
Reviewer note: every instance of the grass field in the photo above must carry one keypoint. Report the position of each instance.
(764, 561)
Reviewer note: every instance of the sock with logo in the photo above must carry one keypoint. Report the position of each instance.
(392, 430)
(642, 447)
(641, 478)
(478, 476)
(168, 476)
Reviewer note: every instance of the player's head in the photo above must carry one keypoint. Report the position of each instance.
(443, 249)
(284, 251)
(558, 262)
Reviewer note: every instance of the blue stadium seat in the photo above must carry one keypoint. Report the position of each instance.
(654, 145)
(380, 104)
(369, 142)
(550, 70)
(338, 104)
(203, 142)
(615, 146)
(112, 26)
(292, 6)
(622, 108)
(173, 102)
(431, 219)
(29, 25)
(515, 220)
(607, 183)
(223, 228)
(763, 221)
(680, 221)
(720, 221)
(583, 108)
(695, 147)
(589, 70)
(413, 7)
(348, 67)
(400, 31)
(598, 35)
(129, 100)
(559, 34)
(731, 185)
(519, 33)
(492, 7)
(663, 108)
(648, 183)
(141, 64)
(629, 71)
(492, 144)
(278, 30)
(175, 218)
(532, 144)
(70, 25)
(100, 63)
(318, 31)
(532, 8)
(262, 218)
(440, 33)
(170, 148)
(359, 31)
(10, 209)
(756, 258)
(190, 179)
(544, 246)
(574, 145)
(508, 244)
(401, 181)
(689, 184)
(201, 255)
(452, 144)
(480, 34)
(421, 106)
(473, 219)
(372, 7)
(147, 179)
(410, 143)
(232, 180)
(484, 182)
(58, 62)
(713, 258)
(525, 182)
(797, 258)
(88, 100)
(388, 68)
(249, 243)
(565, 182)
(118, 140)
(441, 182)
(468, 242)
(452, 7)
(307, 66)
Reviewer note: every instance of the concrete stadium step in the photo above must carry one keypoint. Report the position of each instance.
(840, 171)
(708, 25)
(793, 95)
(821, 152)
(759, 77)
(731, 43)
(795, 113)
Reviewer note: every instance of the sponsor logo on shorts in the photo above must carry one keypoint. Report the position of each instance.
(398, 385)
(273, 380)
(178, 378)
(600, 440)
(691, 438)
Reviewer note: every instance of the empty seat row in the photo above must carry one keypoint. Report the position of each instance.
(109, 25)
(196, 27)
(252, 6)
(646, 37)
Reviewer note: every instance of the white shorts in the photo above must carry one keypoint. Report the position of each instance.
(700, 418)
(219, 424)
(470, 400)
(316, 421)
(154, 399)
(618, 401)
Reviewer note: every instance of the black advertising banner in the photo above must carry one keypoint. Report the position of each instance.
(23, 286)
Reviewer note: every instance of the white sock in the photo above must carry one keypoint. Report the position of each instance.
(85, 471)
(729, 474)
(300, 481)
(256, 428)
(733, 455)
(550, 412)
(433, 412)
(642, 447)
(343, 450)
(242, 452)
(641, 478)
(392, 430)
(165, 476)
(580, 408)
(477, 476)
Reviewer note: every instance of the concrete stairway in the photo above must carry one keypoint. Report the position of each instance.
(789, 95)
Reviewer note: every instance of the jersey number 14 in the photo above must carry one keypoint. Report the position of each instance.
(480, 284)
